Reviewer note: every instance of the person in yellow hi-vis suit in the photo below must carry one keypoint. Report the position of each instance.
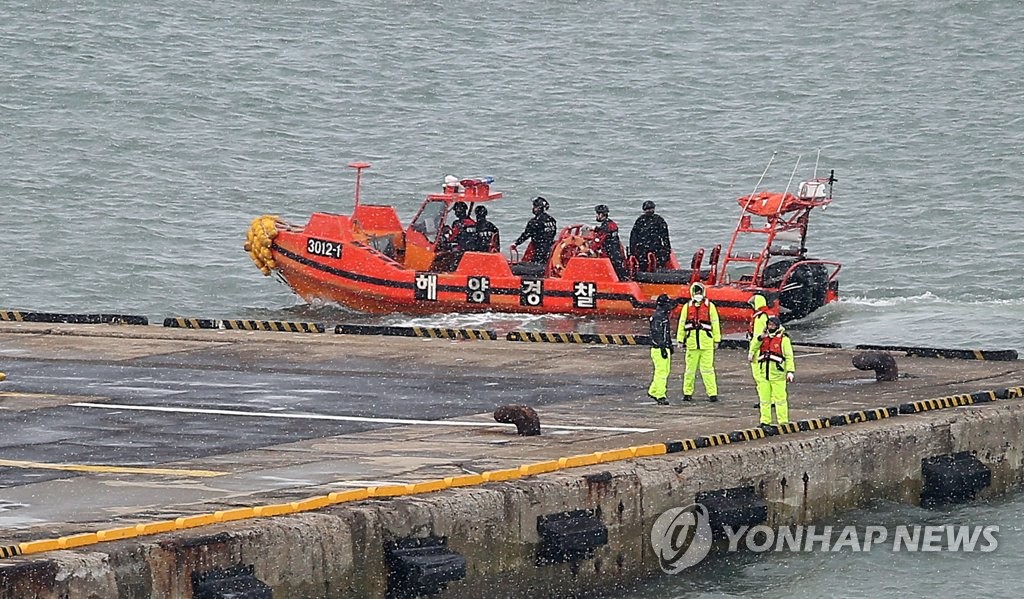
(771, 353)
(758, 320)
(700, 333)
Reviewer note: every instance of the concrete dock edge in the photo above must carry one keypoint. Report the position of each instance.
(339, 551)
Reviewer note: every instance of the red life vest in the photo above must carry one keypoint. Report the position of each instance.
(698, 317)
(771, 350)
(458, 227)
(601, 234)
(757, 313)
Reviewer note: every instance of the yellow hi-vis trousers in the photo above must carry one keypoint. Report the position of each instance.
(705, 360)
(662, 366)
(772, 393)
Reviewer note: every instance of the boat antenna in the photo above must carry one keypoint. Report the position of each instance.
(760, 179)
(359, 166)
(816, 158)
(790, 182)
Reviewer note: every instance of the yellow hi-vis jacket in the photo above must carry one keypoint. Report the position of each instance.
(698, 325)
(758, 320)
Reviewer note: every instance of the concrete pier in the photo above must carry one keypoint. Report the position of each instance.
(133, 457)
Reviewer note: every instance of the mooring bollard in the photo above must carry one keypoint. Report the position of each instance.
(882, 363)
(524, 417)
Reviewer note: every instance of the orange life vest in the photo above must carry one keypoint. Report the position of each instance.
(771, 350)
(753, 319)
(698, 317)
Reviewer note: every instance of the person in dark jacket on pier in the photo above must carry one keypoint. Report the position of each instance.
(661, 348)
(541, 231)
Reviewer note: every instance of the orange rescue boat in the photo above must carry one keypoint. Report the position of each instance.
(369, 262)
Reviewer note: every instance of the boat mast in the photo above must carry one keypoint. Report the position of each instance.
(359, 166)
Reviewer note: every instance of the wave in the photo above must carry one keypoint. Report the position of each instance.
(929, 298)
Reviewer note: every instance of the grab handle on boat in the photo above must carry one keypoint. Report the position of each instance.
(713, 264)
(698, 258)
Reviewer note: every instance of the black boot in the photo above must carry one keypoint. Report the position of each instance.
(712, 398)
(687, 398)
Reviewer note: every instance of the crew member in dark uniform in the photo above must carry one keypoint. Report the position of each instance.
(487, 239)
(541, 231)
(606, 241)
(650, 236)
(455, 239)
(463, 229)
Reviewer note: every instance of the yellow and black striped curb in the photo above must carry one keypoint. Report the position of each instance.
(859, 416)
(428, 332)
(540, 337)
(19, 316)
(464, 333)
(955, 401)
(179, 322)
(273, 325)
(470, 480)
(601, 339)
(1000, 355)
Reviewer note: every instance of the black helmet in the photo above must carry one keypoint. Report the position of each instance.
(601, 209)
(480, 211)
(773, 322)
(663, 300)
(461, 209)
(540, 202)
(648, 205)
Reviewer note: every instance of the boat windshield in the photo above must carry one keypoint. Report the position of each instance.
(430, 219)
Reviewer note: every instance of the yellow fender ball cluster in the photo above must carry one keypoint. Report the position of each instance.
(258, 240)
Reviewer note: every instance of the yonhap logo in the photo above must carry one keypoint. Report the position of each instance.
(681, 537)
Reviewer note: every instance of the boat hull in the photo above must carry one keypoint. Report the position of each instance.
(483, 282)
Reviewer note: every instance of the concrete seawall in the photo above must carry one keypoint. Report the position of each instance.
(339, 551)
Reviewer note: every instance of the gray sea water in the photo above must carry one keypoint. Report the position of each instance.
(137, 141)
